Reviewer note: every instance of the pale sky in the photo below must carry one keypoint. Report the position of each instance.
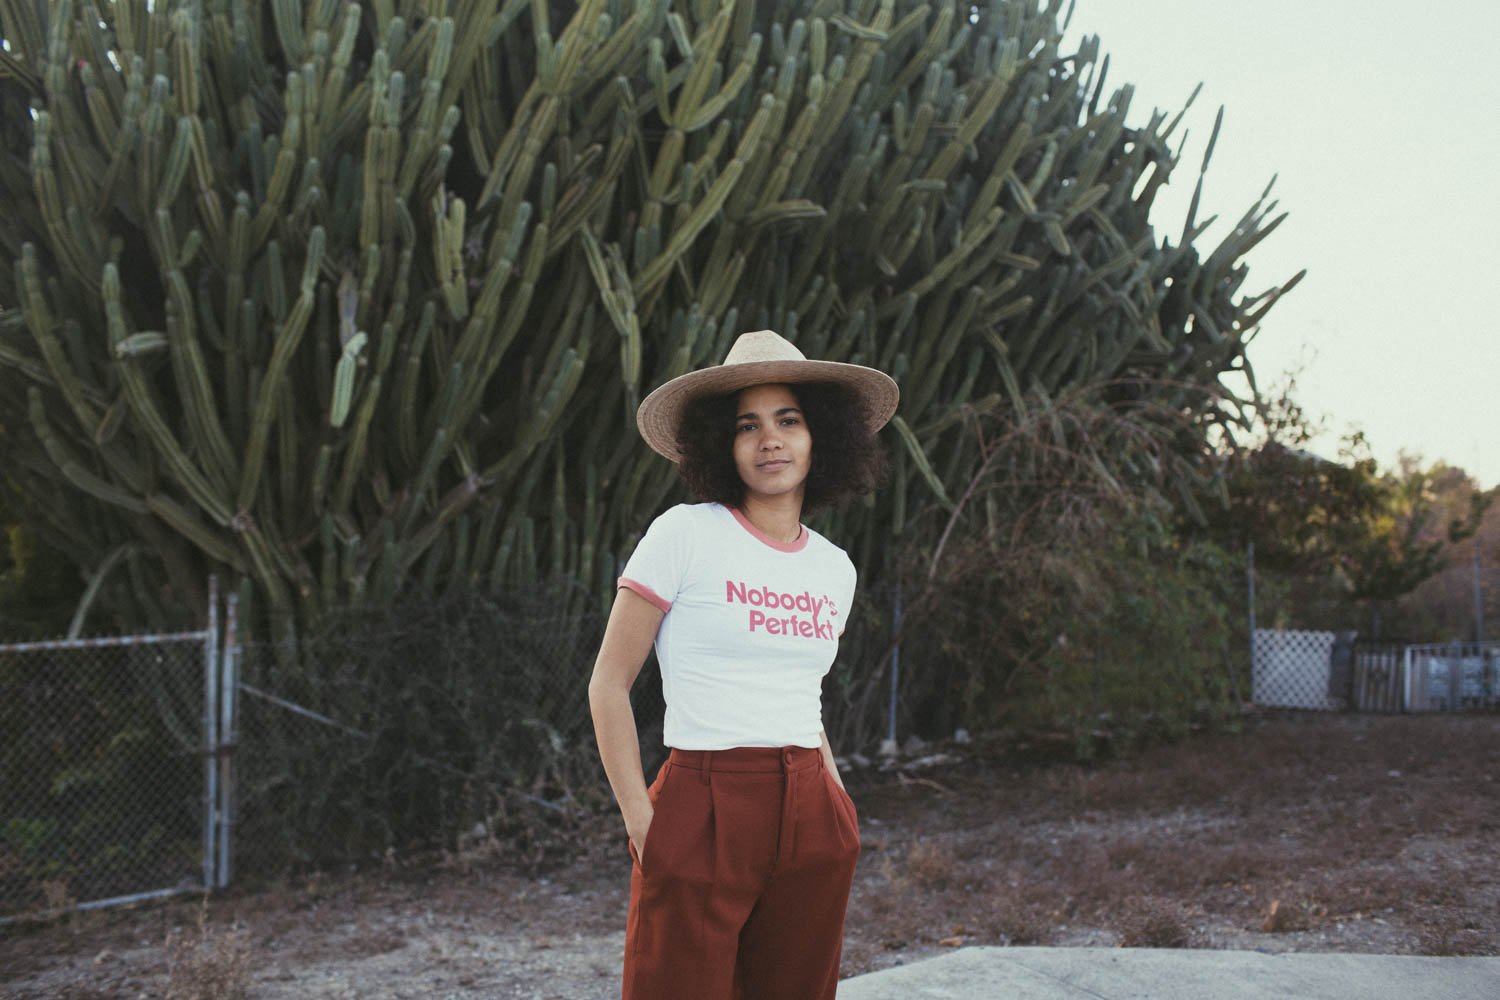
(1382, 122)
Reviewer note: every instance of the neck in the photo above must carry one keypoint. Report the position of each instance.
(779, 517)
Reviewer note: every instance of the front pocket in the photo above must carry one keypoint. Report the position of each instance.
(657, 793)
(843, 803)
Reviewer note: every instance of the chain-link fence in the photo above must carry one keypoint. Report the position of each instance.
(104, 777)
(447, 720)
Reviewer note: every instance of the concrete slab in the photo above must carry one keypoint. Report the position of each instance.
(1177, 974)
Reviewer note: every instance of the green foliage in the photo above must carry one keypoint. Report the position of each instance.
(1303, 513)
(1409, 536)
(344, 300)
(1443, 606)
(1162, 654)
(1056, 599)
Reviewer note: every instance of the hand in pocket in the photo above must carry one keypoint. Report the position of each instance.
(638, 839)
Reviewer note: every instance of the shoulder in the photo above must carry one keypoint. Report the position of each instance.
(827, 550)
(684, 521)
(682, 515)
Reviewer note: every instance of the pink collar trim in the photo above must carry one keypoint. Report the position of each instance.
(797, 545)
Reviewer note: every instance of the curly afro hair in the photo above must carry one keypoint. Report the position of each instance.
(847, 458)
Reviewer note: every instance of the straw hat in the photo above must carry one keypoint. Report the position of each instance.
(758, 358)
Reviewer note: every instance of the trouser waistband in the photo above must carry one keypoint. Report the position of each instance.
(749, 759)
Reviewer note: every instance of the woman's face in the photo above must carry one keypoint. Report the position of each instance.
(772, 445)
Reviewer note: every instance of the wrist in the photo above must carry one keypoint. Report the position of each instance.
(637, 816)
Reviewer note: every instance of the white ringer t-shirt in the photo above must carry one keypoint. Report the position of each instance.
(751, 626)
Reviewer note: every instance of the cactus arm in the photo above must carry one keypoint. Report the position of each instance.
(287, 340)
(71, 467)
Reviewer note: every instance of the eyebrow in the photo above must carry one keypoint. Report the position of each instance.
(780, 412)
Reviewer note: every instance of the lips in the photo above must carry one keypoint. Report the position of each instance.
(774, 465)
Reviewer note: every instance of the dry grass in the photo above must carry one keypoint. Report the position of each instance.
(1308, 833)
(1155, 923)
(1311, 832)
(211, 964)
(928, 866)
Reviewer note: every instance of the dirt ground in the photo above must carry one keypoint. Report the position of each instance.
(1300, 833)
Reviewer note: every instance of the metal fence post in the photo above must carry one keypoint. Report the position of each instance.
(228, 736)
(1406, 679)
(1455, 676)
(210, 730)
(1478, 596)
(1250, 590)
(888, 747)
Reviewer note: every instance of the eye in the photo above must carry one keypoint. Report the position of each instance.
(742, 428)
(790, 421)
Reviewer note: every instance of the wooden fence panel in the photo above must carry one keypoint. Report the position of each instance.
(1377, 676)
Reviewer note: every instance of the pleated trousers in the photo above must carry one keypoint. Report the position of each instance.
(744, 881)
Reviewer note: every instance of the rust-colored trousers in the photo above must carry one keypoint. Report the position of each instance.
(746, 874)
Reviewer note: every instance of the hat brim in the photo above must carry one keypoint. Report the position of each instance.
(659, 414)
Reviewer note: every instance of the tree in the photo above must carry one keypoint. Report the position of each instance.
(1344, 534)
(1443, 607)
(341, 300)
(1303, 513)
(1411, 538)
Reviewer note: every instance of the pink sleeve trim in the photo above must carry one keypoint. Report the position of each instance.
(656, 599)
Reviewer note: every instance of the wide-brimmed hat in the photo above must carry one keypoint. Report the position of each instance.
(758, 358)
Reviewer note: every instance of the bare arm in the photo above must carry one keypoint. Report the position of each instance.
(633, 622)
(827, 750)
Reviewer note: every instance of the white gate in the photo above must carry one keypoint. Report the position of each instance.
(1289, 669)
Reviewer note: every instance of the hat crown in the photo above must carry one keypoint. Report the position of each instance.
(762, 345)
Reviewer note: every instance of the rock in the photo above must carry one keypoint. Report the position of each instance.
(930, 760)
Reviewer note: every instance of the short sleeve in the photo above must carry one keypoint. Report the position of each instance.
(658, 566)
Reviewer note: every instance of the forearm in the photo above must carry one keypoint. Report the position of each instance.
(632, 626)
(828, 760)
(620, 753)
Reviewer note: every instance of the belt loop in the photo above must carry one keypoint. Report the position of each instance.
(708, 765)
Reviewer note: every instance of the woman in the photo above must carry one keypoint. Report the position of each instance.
(744, 847)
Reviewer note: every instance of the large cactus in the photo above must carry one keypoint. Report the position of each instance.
(344, 298)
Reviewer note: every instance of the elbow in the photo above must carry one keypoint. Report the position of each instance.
(596, 691)
(600, 690)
